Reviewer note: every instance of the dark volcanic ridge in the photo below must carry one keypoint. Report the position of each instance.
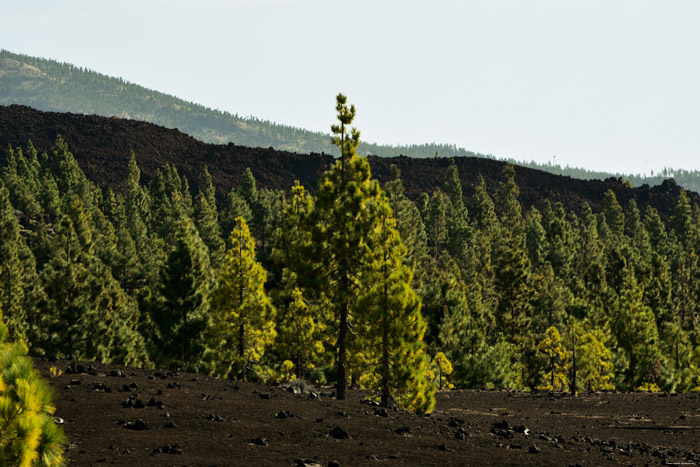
(102, 147)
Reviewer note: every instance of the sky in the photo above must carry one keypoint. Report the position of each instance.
(611, 85)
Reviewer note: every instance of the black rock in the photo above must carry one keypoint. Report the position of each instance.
(381, 412)
(461, 433)
(534, 449)
(137, 425)
(259, 441)
(338, 433)
(170, 424)
(207, 397)
(333, 464)
(404, 430)
(456, 421)
(443, 447)
(171, 449)
(264, 395)
(215, 418)
(102, 387)
(117, 374)
(502, 425)
(282, 414)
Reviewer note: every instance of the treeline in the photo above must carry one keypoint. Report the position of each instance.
(357, 283)
(62, 87)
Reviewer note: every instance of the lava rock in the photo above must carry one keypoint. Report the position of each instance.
(137, 425)
(259, 441)
(338, 433)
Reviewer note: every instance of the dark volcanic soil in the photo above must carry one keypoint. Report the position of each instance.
(193, 420)
(102, 147)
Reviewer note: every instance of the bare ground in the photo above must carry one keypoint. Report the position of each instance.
(194, 420)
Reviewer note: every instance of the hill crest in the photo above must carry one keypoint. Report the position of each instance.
(102, 147)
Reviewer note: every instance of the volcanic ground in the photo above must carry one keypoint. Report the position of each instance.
(131, 416)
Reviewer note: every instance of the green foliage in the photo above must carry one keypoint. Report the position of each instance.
(342, 222)
(392, 322)
(28, 435)
(242, 324)
(552, 347)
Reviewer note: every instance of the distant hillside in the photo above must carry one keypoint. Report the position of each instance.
(61, 87)
(102, 147)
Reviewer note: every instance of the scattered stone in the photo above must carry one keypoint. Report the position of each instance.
(137, 425)
(75, 382)
(207, 397)
(534, 449)
(502, 425)
(134, 386)
(338, 433)
(444, 448)
(174, 386)
(264, 395)
(282, 414)
(456, 421)
(333, 464)
(167, 449)
(381, 412)
(306, 463)
(342, 414)
(117, 374)
(404, 431)
(259, 441)
(215, 418)
(102, 387)
(370, 402)
(125, 388)
(133, 402)
(170, 424)
(522, 429)
(461, 433)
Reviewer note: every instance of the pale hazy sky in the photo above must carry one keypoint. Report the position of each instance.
(604, 84)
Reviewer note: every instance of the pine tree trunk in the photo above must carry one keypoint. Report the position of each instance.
(573, 376)
(241, 349)
(385, 338)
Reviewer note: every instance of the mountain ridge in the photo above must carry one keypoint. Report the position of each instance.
(102, 147)
(61, 87)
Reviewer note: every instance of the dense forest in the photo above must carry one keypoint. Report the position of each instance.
(355, 285)
(53, 86)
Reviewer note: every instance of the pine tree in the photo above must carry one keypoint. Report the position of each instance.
(399, 363)
(436, 220)
(206, 219)
(342, 221)
(85, 312)
(300, 334)
(18, 278)
(235, 206)
(28, 434)
(613, 215)
(408, 222)
(552, 347)
(636, 333)
(181, 313)
(594, 361)
(242, 324)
